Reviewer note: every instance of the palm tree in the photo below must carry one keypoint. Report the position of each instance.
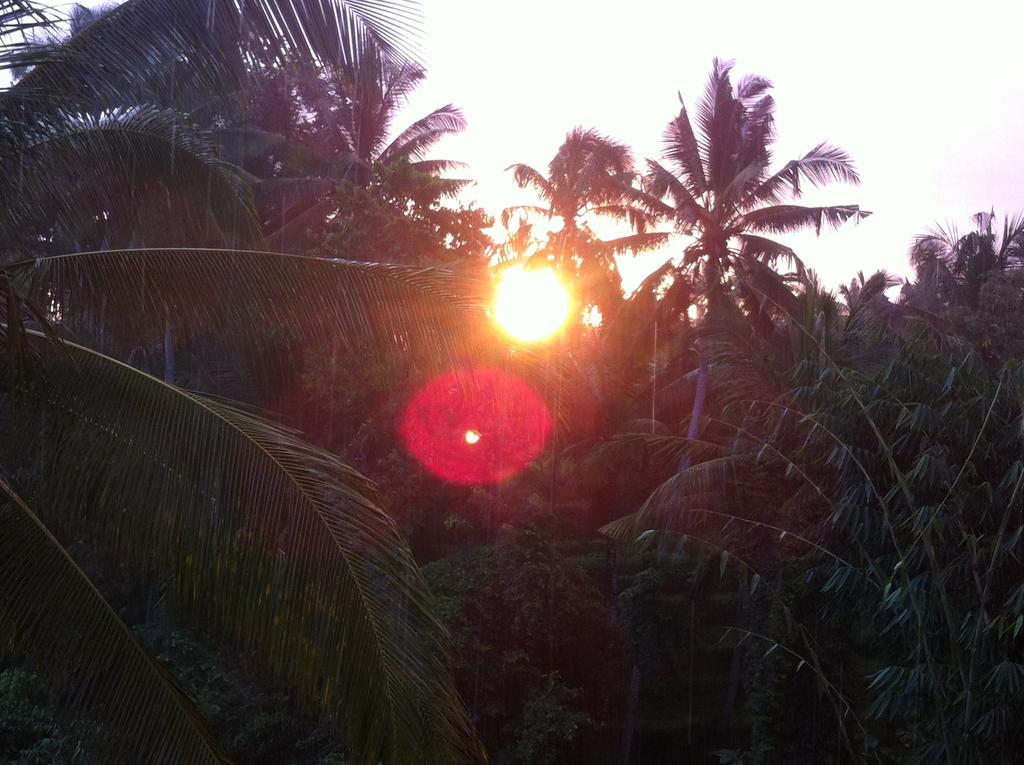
(951, 266)
(716, 185)
(274, 545)
(590, 177)
(345, 137)
(360, 128)
(172, 52)
(123, 177)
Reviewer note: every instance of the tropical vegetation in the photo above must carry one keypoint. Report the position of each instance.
(771, 522)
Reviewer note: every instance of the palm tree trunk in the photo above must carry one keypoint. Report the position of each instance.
(629, 728)
(633, 690)
(633, 698)
(732, 693)
(168, 347)
(699, 396)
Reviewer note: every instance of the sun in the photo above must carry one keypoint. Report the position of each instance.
(531, 304)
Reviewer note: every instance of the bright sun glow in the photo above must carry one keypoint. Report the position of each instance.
(531, 304)
(592, 316)
(472, 436)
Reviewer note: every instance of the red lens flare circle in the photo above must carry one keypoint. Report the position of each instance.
(475, 426)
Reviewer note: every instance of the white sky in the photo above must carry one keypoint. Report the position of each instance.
(927, 97)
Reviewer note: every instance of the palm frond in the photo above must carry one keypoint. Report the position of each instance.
(416, 140)
(767, 250)
(764, 287)
(752, 86)
(632, 244)
(509, 212)
(718, 116)
(93, 664)
(638, 219)
(660, 182)
(862, 290)
(717, 84)
(682, 150)
(781, 219)
(71, 171)
(438, 166)
(1011, 243)
(526, 176)
(588, 152)
(216, 41)
(744, 178)
(276, 544)
(450, 188)
(708, 485)
(315, 299)
(21, 22)
(820, 166)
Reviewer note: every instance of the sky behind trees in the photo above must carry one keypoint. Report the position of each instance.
(926, 97)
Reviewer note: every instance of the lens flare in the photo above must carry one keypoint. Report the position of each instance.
(475, 426)
(531, 304)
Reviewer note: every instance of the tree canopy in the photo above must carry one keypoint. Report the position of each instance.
(759, 519)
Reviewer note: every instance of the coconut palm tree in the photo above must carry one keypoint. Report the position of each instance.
(358, 113)
(171, 52)
(589, 178)
(952, 266)
(345, 136)
(716, 185)
(272, 544)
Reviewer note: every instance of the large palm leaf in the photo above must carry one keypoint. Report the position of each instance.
(273, 542)
(90, 660)
(116, 171)
(216, 42)
(20, 22)
(270, 540)
(416, 140)
(315, 300)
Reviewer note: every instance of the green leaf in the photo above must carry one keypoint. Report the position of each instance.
(274, 543)
(212, 46)
(92, 663)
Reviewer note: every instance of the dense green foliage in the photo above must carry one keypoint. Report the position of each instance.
(773, 523)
